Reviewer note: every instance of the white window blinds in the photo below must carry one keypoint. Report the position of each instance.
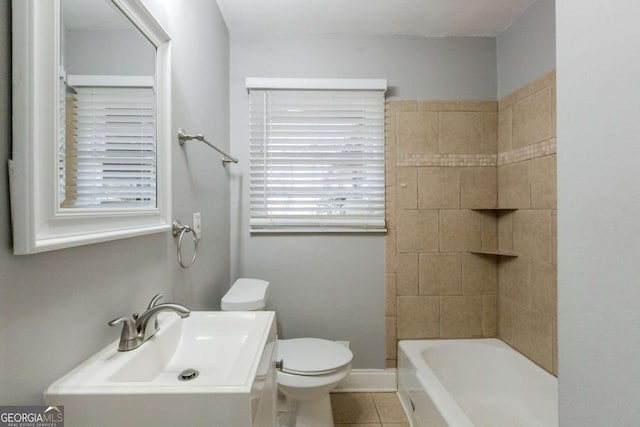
(110, 152)
(317, 160)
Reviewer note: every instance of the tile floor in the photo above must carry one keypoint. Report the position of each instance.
(368, 410)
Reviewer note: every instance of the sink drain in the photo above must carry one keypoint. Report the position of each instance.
(188, 374)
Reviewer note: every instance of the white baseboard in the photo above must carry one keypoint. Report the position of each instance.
(369, 380)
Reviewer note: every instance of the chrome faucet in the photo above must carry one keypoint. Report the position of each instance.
(138, 328)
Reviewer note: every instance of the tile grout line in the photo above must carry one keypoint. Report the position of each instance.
(375, 405)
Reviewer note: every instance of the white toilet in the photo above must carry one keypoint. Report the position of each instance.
(311, 367)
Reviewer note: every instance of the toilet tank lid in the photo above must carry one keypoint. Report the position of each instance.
(246, 294)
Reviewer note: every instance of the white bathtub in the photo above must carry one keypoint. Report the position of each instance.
(474, 382)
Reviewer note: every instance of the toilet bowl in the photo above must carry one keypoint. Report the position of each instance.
(311, 367)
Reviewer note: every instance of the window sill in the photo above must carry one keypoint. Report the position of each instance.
(318, 230)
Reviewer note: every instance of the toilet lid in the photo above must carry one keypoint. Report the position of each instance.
(312, 356)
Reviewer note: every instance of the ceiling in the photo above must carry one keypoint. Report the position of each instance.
(471, 18)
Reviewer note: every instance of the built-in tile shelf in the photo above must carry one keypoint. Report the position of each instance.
(496, 210)
(495, 253)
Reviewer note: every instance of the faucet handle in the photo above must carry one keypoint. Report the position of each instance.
(128, 326)
(129, 332)
(154, 300)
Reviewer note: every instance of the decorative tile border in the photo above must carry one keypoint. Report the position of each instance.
(546, 80)
(446, 160)
(531, 151)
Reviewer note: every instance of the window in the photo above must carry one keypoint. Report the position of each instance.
(316, 155)
(108, 158)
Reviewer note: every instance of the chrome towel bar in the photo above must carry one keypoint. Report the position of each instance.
(184, 137)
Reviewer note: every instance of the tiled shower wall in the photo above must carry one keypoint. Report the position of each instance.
(527, 285)
(441, 165)
(456, 173)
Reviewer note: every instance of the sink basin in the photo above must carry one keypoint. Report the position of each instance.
(233, 353)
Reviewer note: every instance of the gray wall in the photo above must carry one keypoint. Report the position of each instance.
(527, 49)
(332, 286)
(54, 306)
(598, 211)
(121, 52)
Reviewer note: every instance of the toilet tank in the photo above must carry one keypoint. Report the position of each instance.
(246, 295)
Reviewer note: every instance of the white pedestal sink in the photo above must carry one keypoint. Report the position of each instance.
(233, 352)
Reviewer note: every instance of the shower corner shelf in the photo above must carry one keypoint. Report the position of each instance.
(495, 253)
(496, 210)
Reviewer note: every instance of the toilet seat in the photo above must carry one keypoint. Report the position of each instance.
(312, 356)
(307, 387)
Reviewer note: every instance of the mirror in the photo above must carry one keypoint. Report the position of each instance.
(108, 109)
(91, 127)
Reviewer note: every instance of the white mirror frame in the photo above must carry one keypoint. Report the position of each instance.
(39, 224)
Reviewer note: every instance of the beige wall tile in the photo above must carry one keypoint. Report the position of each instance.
(390, 207)
(460, 230)
(407, 187)
(478, 187)
(418, 317)
(390, 143)
(479, 274)
(353, 408)
(488, 106)
(489, 230)
(417, 132)
(390, 128)
(391, 158)
(390, 294)
(554, 350)
(407, 278)
(514, 281)
(514, 190)
(461, 317)
(395, 106)
(533, 336)
(505, 128)
(532, 119)
(489, 316)
(543, 182)
(417, 231)
(468, 133)
(390, 252)
(438, 187)
(532, 234)
(439, 105)
(391, 338)
(505, 232)
(389, 408)
(392, 108)
(554, 110)
(504, 319)
(514, 97)
(554, 236)
(544, 288)
(440, 274)
(391, 363)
